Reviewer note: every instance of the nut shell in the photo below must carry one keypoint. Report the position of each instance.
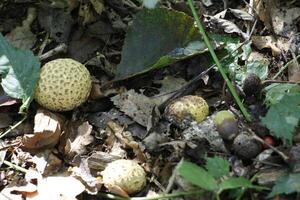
(126, 174)
(64, 84)
(187, 109)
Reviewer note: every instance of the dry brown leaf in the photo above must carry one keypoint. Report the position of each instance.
(77, 137)
(22, 37)
(262, 42)
(46, 163)
(126, 139)
(227, 26)
(137, 106)
(47, 130)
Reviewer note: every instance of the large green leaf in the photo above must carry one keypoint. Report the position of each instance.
(276, 91)
(157, 38)
(283, 117)
(286, 185)
(19, 70)
(197, 175)
(217, 166)
(235, 182)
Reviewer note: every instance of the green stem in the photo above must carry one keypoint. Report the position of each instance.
(13, 127)
(21, 169)
(161, 196)
(285, 66)
(216, 60)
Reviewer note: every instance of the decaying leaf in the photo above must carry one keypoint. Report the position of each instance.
(241, 14)
(126, 139)
(46, 162)
(137, 106)
(56, 22)
(22, 37)
(262, 42)
(169, 84)
(47, 130)
(77, 137)
(227, 26)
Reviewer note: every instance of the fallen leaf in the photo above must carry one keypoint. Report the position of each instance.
(262, 42)
(47, 130)
(137, 106)
(241, 14)
(126, 139)
(22, 37)
(77, 137)
(227, 26)
(56, 22)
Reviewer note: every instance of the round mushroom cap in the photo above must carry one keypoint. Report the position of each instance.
(126, 174)
(186, 109)
(64, 84)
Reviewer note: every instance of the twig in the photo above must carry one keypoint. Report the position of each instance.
(60, 48)
(13, 127)
(285, 66)
(256, 137)
(21, 169)
(216, 60)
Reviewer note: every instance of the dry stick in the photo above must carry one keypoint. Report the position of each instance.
(216, 60)
(60, 48)
(13, 127)
(21, 169)
(256, 137)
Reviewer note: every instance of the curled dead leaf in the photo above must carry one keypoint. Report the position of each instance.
(47, 130)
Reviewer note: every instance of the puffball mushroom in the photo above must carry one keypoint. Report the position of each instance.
(186, 109)
(64, 84)
(127, 175)
(226, 124)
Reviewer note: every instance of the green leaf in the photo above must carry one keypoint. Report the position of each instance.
(19, 71)
(235, 182)
(157, 38)
(276, 91)
(283, 117)
(286, 185)
(259, 68)
(217, 166)
(197, 175)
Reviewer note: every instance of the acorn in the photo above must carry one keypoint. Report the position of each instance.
(187, 109)
(226, 124)
(252, 85)
(246, 147)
